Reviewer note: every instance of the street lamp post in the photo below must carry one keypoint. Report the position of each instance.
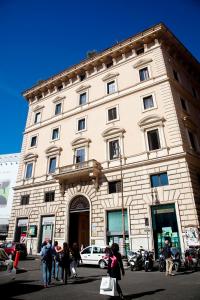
(122, 195)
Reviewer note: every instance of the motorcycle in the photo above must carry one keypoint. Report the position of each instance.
(148, 261)
(191, 259)
(176, 259)
(135, 260)
(162, 263)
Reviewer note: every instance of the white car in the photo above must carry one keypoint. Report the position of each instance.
(7, 271)
(94, 255)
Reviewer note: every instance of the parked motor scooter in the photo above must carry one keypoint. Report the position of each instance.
(148, 261)
(162, 262)
(135, 260)
(191, 259)
(176, 259)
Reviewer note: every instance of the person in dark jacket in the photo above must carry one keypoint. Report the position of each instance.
(168, 258)
(115, 266)
(64, 262)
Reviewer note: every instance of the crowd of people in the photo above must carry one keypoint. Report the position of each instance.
(58, 262)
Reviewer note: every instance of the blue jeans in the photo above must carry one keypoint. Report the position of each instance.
(46, 273)
(58, 270)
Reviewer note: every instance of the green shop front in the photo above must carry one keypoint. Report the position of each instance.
(165, 227)
(115, 228)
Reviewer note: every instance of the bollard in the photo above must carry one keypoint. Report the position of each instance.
(16, 259)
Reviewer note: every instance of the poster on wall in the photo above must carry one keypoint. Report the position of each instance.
(4, 191)
(192, 236)
(23, 238)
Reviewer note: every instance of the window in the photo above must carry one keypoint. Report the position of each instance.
(144, 74)
(183, 104)
(58, 108)
(80, 155)
(112, 114)
(114, 186)
(87, 250)
(37, 117)
(25, 199)
(192, 139)
(52, 164)
(114, 149)
(55, 134)
(153, 139)
(81, 124)
(148, 102)
(176, 76)
(33, 141)
(111, 87)
(29, 170)
(82, 99)
(139, 51)
(49, 196)
(159, 179)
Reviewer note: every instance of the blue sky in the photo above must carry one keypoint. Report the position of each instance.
(39, 38)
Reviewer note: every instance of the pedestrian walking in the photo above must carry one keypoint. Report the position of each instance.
(74, 259)
(115, 266)
(168, 258)
(64, 262)
(46, 260)
(56, 250)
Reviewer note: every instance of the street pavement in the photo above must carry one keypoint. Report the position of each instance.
(135, 285)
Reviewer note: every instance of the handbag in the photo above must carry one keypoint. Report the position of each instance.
(106, 283)
(107, 286)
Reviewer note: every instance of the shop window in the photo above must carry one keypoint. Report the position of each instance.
(49, 196)
(25, 199)
(114, 186)
(160, 179)
(153, 139)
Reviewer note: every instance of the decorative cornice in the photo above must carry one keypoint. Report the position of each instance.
(151, 120)
(83, 88)
(80, 141)
(58, 99)
(53, 150)
(38, 107)
(142, 62)
(110, 76)
(30, 157)
(113, 131)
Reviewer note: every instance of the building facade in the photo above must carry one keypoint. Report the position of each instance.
(118, 132)
(8, 173)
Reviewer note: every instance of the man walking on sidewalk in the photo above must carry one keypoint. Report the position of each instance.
(168, 258)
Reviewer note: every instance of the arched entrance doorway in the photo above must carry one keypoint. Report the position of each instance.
(79, 220)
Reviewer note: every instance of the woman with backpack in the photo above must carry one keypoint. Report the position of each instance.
(46, 260)
(64, 262)
(115, 266)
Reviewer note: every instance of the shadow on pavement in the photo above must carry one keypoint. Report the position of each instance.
(17, 288)
(139, 295)
(81, 280)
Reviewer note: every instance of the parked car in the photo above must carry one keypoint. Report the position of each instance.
(12, 247)
(7, 271)
(94, 255)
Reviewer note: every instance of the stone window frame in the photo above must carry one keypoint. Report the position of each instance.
(141, 64)
(36, 110)
(197, 150)
(154, 102)
(56, 101)
(51, 152)
(81, 90)
(108, 79)
(77, 123)
(117, 111)
(78, 143)
(28, 159)
(149, 123)
(52, 129)
(111, 134)
(35, 146)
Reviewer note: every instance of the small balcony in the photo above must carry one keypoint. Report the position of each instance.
(79, 172)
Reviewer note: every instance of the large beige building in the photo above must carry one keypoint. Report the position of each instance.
(130, 115)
